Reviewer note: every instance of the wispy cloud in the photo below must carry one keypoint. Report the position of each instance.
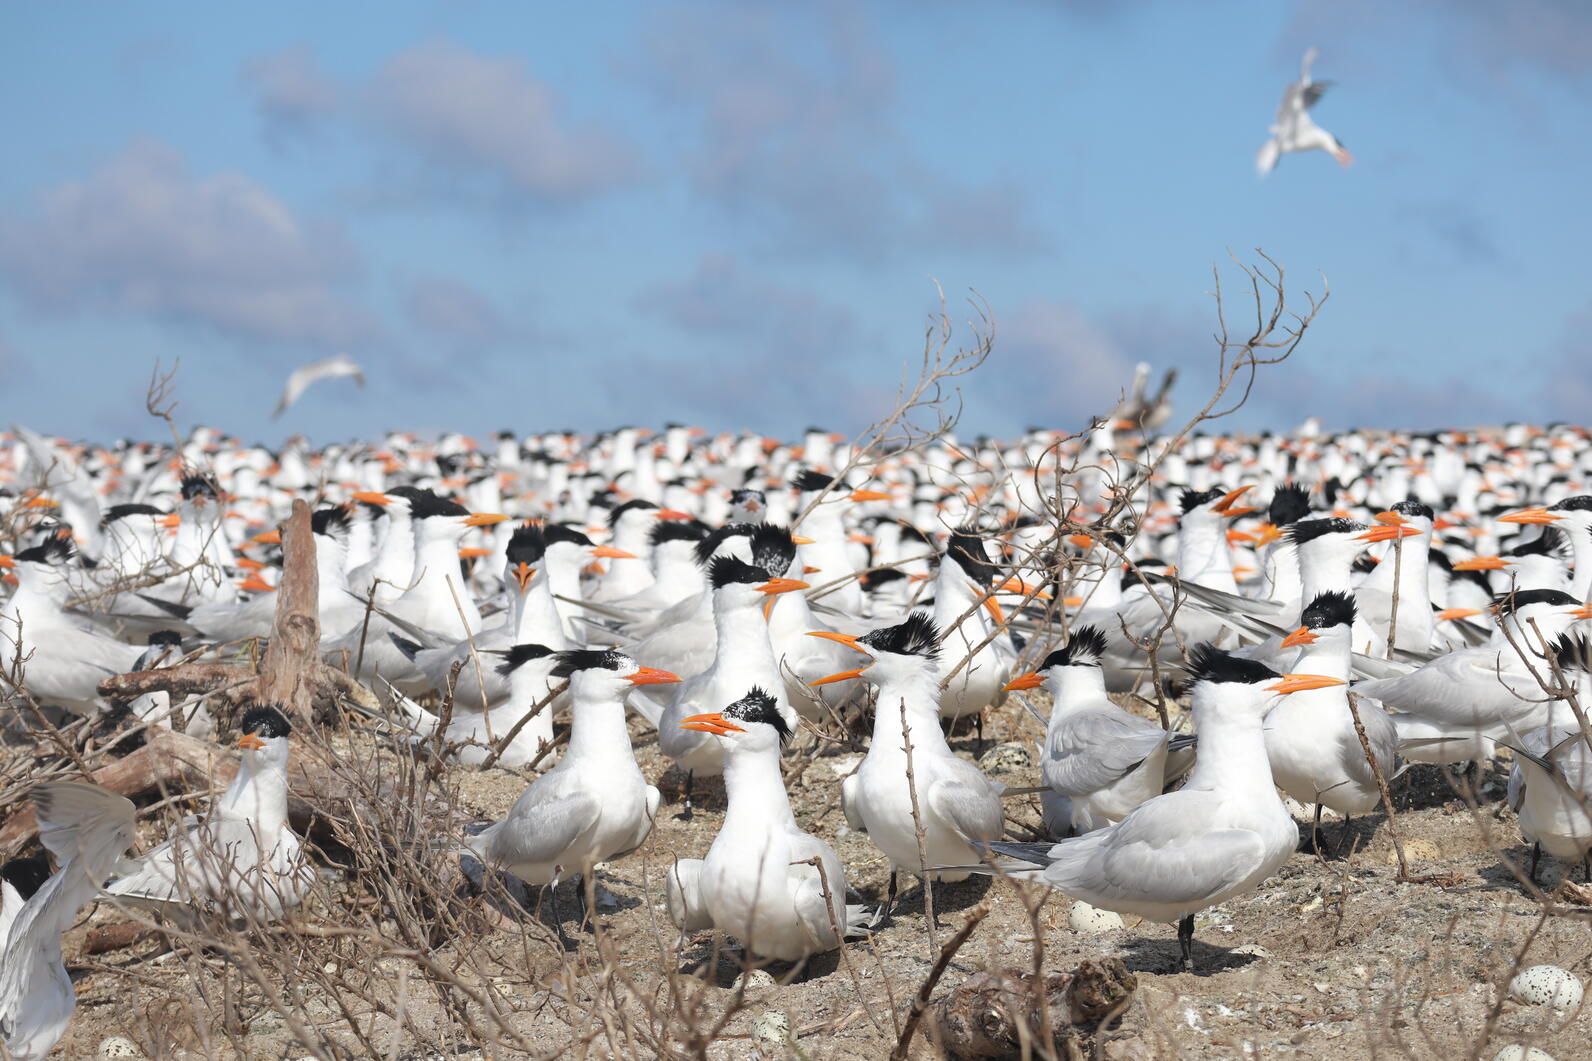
(454, 314)
(292, 94)
(144, 236)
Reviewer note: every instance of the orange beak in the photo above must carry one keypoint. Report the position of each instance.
(1390, 518)
(849, 640)
(255, 584)
(10, 561)
(172, 520)
(248, 563)
(1298, 683)
(371, 497)
(609, 552)
(1269, 533)
(1072, 602)
(484, 519)
(993, 606)
(843, 676)
(1530, 515)
(1080, 541)
(471, 552)
(809, 569)
(270, 537)
(1583, 612)
(1448, 614)
(776, 586)
(672, 513)
(1031, 680)
(869, 495)
(1483, 563)
(250, 743)
(1225, 505)
(802, 540)
(1302, 636)
(523, 573)
(1386, 533)
(1238, 537)
(39, 502)
(1017, 585)
(715, 723)
(652, 676)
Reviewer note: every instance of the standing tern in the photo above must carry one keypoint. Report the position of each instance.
(1216, 838)
(779, 890)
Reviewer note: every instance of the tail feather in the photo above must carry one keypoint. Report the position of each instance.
(409, 648)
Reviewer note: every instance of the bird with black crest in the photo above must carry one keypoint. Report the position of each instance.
(822, 502)
(780, 890)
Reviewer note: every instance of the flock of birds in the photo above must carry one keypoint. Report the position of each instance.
(1331, 604)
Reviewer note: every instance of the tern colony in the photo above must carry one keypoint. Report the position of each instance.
(732, 590)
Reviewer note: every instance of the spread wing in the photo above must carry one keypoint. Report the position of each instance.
(306, 376)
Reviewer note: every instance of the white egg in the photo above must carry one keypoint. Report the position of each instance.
(1085, 918)
(1519, 1052)
(1546, 985)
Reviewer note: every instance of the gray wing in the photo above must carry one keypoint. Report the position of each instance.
(1312, 93)
(1089, 751)
(966, 801)
(84, 822)
(539, 831)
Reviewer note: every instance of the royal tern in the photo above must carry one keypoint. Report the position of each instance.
(1293, 129)
(304, 377)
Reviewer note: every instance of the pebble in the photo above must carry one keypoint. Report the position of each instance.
(1521, 1052)
(754, 980)
(772, 1027)
(1546, 985)
(1085, 918)
(117, 1048)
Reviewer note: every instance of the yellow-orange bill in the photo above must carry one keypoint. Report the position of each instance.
(802, 539)
(1299, 683)
(1302, 636)
(1482, 563)
(713, 723)
(250, 742)
(1450, 614)
(652, 676)
(484, 519)
(1386, 533)
(609, 552)
(1031, 680)
(1530, 515)
(781, 585)
(843, 676)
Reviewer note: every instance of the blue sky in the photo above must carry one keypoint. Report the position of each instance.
(540, 216)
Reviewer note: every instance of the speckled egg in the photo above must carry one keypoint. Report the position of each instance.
(1546, 985)
(1520, 1052)
(117, 1048)
(1085, 918)
(772, 1027)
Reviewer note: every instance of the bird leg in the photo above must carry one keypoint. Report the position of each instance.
(586, 922)
(1345, 837)
(688, 812)
(978, 728)
(1185, 944)
(1536, 857)
(882, 918)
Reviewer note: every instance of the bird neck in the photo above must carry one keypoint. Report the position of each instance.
(1203, 556)
(1075, 687)
(1232, 756)
(743, 636)
(908, 706)
(258, 793)
(1324, 571)
(597, 725)
(755, 789)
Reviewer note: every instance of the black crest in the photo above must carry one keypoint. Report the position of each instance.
(197, 487)
(1308, 530)
(773, 549)
(526, 545)
(715, 538)
(758, 706)
(883, 577)
(1207, 663)
(1084, 649)
(1191, 499)
(1328, 610)
(332, 520)
(725, 570)
(967, 549)
(917, 636)
(1290, 504)
(520, 654)
(1413, 507)
(53, 550)
(424, 504)
(567, 663)
(1579, 503)
(116, 512)
(1572, 652)
(1508, 603)
(677, 530)
(266, 721)
(810, 482)
(26, 875)
(167, 638)
(629, 506)
(563, 533)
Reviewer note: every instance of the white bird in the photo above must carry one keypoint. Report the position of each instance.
(1293, 129)
(1550, 787)
(779, 890)
(595, 805)
(240, 860)
(1311, 742)
(959, 808)
(20, 878)
(1101, 760)
(306, 376)
(86, 828)
(1219, 836)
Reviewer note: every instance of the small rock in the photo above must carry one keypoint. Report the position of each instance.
(1546, 985)
(1006, 758)
(772, 1027)
(1085, 918)
(753, 980)
(117, 1048)
(1521, 1052)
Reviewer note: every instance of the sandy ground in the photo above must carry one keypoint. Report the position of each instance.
(1329, 959)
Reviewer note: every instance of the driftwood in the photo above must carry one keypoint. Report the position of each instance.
(292, 674)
